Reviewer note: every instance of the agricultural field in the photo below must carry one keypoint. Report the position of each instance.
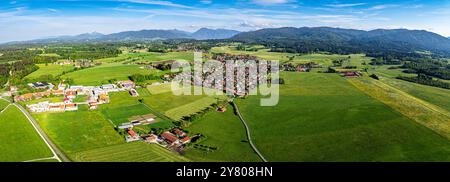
(122, 106)
(159, 89)
(78, 131)
(176, 106)
(177, 113)
(223, 131)
(20, 141)
(384, 71)
(155, 56)
(437, 96)
(322, 117)
(130, 152)
(101, 74)
(149, 57)
(3, 104)
(50, 69)
(425, 113)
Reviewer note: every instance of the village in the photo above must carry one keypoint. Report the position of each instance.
(96, 95)
(231, 83)
(174, 139)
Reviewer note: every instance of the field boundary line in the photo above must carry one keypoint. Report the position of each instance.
(39, 130)
(4, 109)
(247, 130)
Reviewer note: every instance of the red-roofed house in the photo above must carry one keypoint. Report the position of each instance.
(185, 140)
(179, 132)
(169, 137)
(132, 133)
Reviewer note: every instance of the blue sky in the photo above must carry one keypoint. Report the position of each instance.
(30, 19)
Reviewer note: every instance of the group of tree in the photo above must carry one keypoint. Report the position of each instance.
(426, 80)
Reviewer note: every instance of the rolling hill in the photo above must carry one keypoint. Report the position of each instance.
(141, 35)
(339, 40)
(206, 33)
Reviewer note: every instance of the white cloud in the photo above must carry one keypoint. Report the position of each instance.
(271, 2)
(53, 10)
(206, 1)
(345, 5)
(161, 3)
(383, 6)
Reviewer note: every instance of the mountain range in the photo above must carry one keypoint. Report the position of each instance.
(303, 39)
(339, 40)
(201, 34)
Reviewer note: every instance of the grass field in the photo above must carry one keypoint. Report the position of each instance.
(122, 106)
(120, 115)
(321, 117)
(422, 112)
(159, 89)
(50, 69)
(176, 106)
(130, 152)
(437, 96)
(155, 56)
(225, 132)
(101, 74)
(19, 140)
(78, 131)
(390, 73)
(166, 101)
(177, 113)
(149, 57)
(3, 104)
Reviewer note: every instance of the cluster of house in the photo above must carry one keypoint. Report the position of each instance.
(79, 63)
(302, 67)
(234, 82)
(136, 121)
(174, 139)
(96, 95)
(222, 57)
(52, 107)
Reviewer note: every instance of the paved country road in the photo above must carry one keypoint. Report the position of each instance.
(59, 155)
(247, 130)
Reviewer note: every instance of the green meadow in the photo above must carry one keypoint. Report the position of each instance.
(3, 104)
(50, 69)
(437, 96)
(101, 74)
(130, 152)
(20, 141)
(149, 57)
(225, 132)
(122, 106)
(177, 113)
(78, 131)
(321, 117)
(155, 56)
